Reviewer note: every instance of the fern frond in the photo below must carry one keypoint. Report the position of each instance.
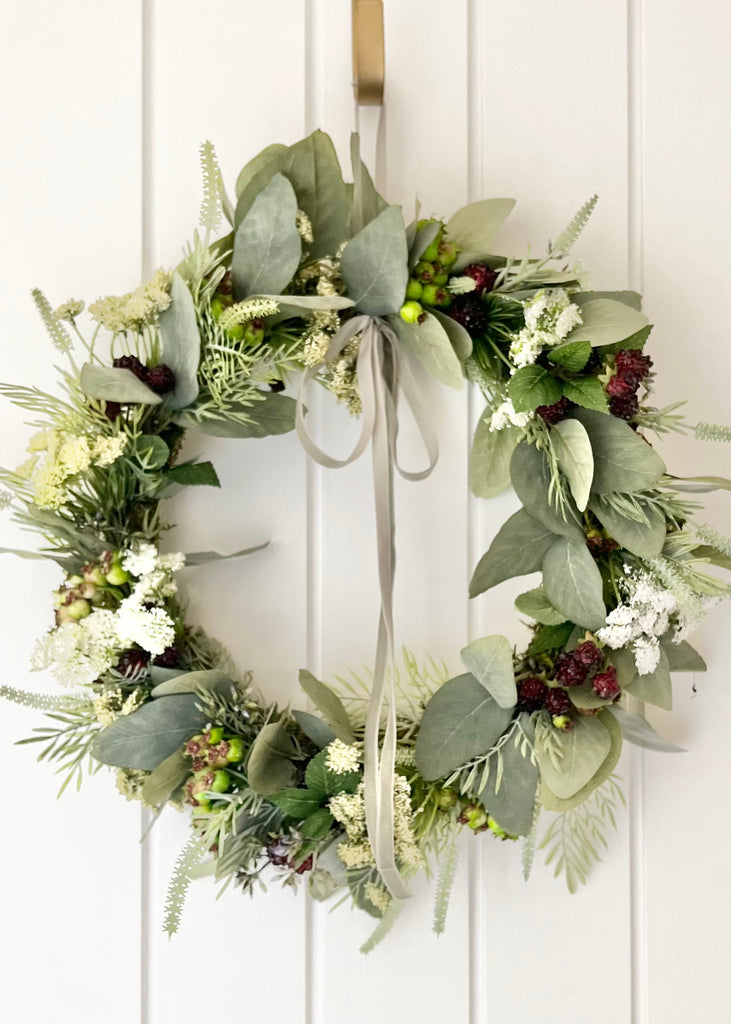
(712, 432)
(189, 858)
(37, 701)
(711, 536)
(445, 881)
(566, 240)
(56, 331)
(383, 927)
(214, 201)
(529, 843)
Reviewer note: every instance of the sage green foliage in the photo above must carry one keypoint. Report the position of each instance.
(531, 386)
(114, 384)
(181, 345)
(472, 228)
(153, 732)
(374, 264)
(314, 728)
(535, 604)
(573, 583)
(552, 802)
(329, 704)
(430, 343)
(681, 656)
(366, 203)
(572, 758)
(575, 458)
(606, 321)
(269, 767)
(271, 414)
(518, 549)
(510, 793)
(490, 660)
(490, 459)
(530, 475)
(638, 730)
(169, 776)
(623, 461)
(267, 245)
(645, 539)
(655, 687)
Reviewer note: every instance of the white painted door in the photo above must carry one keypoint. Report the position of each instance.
(102, 108)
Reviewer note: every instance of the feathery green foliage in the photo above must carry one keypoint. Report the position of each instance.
(69, 741)
(38, 701)
(445, 881)
(213, 188)
(712, 432)
(56, 331)
(568, 237)
(190, 856)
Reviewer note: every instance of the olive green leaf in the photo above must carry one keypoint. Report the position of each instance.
(430, 344)
(329, 704)
(461, 721)
(536, 604)
(193, 474)
(267, 245)
(143, 739)
(587, 392)
(459, 337)
(606, 322)
(551, 638)
(490, 660)
(573, 451)
(655, 687)
(531, 477)
(714, 556)
(512, 802)
(643, 539)
(531, 386)
(298, 804)
(190, 682)
(374, 265)
(473, 226)
(573, 583)
(151, 451)
(572, 357)
(255, 165)
(367, 203)
(681, 656)
(490, 459)
(166, 778)
(181, 345)
(638, 730)
(324, 782)
(517, 549)
(314, 728)
(269, 768)
(318, 824)
(552, 802)
(114, 384)
(582, 751)
(623, 460)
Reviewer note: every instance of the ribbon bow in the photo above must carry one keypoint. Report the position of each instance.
(384, 371)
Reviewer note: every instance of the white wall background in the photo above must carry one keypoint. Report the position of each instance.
(102, 108)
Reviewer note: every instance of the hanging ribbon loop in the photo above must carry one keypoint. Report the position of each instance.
(384, 372)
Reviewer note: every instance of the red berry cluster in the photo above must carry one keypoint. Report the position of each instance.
(571, 668)
(483, 276)
(632, 368)
(159, 379)
(554, 413)
(469, 311)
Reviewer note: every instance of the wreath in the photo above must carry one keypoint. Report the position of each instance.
(322, 277)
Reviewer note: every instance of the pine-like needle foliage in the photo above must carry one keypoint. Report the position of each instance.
(445, 881)
(568, 237)
(56, 331)
(189, 858)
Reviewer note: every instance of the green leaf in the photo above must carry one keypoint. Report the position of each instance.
(329, 704)
(166, 778)
(551, 802)
(194, 474)
(638, 730)
(267, 245)
(297, 306)
(150, 734)
(367, 203)
(700, 484)
(682, 657)
(314, 728)
(458, 336)
(517, 549)
(623, 460)
(30, 556)
(195, 558)
(312, 167)
(297, 804)
(573, 583)
(490, 459)
(273, 414)
(318, 824)
(152, 452)
(419, 239)
(643, 539)
(181, 345)
(655, 687)
(714, 556)
(607, 321)
(374, 265)
(189, 682)
(583, 750)
(583, 697)
(550, 638)
(628, 298)
(269, 768)
(572, 357)
(587, 392)
(324, 782)
(576, 461)
(430, 344)
(461, 721)
(512, 803)
(531, 386)
(531, 477)
(113, 384)
(472, 227)
(490, 660)
(536, 604)
(249, 172)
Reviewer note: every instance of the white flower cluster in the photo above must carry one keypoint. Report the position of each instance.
(641, 619)
(134, 310)
(304, 226)
(342, 757)
(506, 416)
(69, 310)
(79, 652)
(349, 810)
(550, 316)
(58, 457)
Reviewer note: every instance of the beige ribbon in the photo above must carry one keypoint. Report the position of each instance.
(384, 371)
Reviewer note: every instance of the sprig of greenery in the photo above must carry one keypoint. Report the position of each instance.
(475, 775)
(190, 856)
(56, 331)
(712, 432)
(38, 701)
(445, 881)
(69, 742)
(570, 234)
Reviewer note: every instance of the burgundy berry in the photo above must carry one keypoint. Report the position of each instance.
(589, 654)
(483, 276)
(531, 694)
(622, 387)
(161, 379)
(632, 362)
(170, 658)
(624, 408)
(558, 702)
(131, 363)
(469, 311)
(132, 662)
(554, 413)
(605, 684)
(569, 671)
(112, 410)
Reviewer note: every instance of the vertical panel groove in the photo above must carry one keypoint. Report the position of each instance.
(635, 128)
(147, 242)
(475, 166)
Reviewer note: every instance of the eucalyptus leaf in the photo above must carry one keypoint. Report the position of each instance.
(269, 768)
(573, 583)
(628, 298)
(160, 674)
(624, 662)
(461, 721)
(638, 730)
(472, 227)
(654, 687)
(166, 778)
(420, 238)
(518, 549)
(251, 170)
(270, 415)
(576, 461)
(606, 321)
(115, 384)
(374, 264)
(297, 306)
(367, 203)
(587, 392)
(623, 461)
(490, 660)
(531, 386)
(585, 698)
(582, 751)
(700, 484)
(681, 656)
(143, 739)
(490, 459)
(31, 556)
(643, 539)
(429, 343)
(551, 802)
(329, 704)
(536, 604)
(314, 728)
(459, 337)
(531, 477)
(713, 555)
(190, 682)
(512, 803)
(267, 244)
(195, 558)
(180, 345)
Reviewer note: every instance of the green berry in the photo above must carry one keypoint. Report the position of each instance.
(446, 798)
(221, 782)
(429, 295)
(411, 312)
(414, 289)
(447, 254)
(424, 272)
(253, 334)
(216, 735)
(235, 750)
(204, 804)
(498, 831)
(94, 575)
(117, 575)
(562, 722)
(78, 609)
(441, 277)
(431, 252)
(216, 307)
(236, 332)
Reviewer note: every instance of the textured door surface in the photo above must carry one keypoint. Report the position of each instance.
(102, 108)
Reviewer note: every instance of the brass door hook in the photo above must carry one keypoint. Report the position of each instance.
(369, 67)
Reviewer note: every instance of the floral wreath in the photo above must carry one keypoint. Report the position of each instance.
(322, 276)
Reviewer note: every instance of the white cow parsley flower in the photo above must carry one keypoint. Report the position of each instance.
(342, 757)
(550, 316)
(641, 619)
